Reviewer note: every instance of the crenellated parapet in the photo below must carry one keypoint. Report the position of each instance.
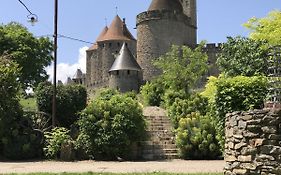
(163, 14)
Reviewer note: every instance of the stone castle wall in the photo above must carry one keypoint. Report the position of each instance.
(100, 60)
(253, 143)
(156, 32)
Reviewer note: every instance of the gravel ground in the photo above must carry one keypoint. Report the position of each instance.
(173, 166)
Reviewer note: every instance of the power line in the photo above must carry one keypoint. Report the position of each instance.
(67, 37)
(74, 39)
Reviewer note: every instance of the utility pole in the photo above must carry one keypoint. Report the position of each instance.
(54, 107)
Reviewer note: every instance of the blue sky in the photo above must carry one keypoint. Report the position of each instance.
(85, 19)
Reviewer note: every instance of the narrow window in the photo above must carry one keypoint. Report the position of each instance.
(128, 72)
(117, 72)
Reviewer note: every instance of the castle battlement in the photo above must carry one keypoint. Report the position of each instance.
(162, 14)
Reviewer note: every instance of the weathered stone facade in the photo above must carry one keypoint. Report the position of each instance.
(253, 143)
(166, 22)
(157, 31)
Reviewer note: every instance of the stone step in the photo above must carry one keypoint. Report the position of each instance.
(171, 151)
(171, 156)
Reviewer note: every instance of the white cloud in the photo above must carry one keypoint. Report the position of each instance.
(65, 70)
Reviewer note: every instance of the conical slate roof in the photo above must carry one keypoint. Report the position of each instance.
(102, 34)
(78, 74)
(117, 31)
(172, 5)
(125, 61)
(95, 45)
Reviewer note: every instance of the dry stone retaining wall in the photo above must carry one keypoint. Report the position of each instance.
(253, 143)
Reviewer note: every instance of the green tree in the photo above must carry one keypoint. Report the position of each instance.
(267, 28)
(71, 99)
(110, 126)
(243, 56)
(182, 67)
(30, 53)
(17, 138)
(9, 87)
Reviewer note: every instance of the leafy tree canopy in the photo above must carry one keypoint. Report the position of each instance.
(30, 53)
(243, 56)
(182, 67)
(267, 28)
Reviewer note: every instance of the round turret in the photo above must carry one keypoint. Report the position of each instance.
(125, 73)
(163, 25)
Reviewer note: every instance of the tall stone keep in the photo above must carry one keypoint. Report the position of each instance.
(166, 22)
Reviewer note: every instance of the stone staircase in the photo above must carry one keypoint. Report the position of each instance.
(160, 143)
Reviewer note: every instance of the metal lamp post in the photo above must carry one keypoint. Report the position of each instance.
(55, 64)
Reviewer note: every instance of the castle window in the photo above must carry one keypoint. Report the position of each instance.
(126, 44)
(110, 44)
(128, 72)
(117, 72)
(118, 44)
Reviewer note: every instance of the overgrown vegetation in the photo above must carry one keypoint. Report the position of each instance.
(17, 138)
(55, 139)
(110, 125)
(24, 48)
(71, 99)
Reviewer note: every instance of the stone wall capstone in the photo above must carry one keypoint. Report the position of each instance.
(253, 143)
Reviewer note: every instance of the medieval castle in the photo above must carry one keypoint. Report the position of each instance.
(118, 60)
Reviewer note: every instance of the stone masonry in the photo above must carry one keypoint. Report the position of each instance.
(160, 143)
(253, 143)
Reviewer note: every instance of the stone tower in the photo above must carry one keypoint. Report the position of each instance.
(125, 73)
(101, 55)
(166, 22)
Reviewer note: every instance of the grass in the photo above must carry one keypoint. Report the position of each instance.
(28, 104)
(90, 173)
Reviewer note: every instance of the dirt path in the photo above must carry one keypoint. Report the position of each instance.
(176, 166)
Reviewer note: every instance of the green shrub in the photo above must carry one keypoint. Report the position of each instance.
(182, 107)
(195, 137)
(18, 140)
(152, 93)
(71, 99)
(240, 94)
(109, 126)
(55, 140)
(234, 94)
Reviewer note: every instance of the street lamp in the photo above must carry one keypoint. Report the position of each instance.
(55, 64)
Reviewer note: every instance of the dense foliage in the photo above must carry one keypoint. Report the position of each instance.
(267, 28)
(71, 99)
(55, 140)
(152, 93)
(243, 56)
(17, 138)
(30, 53)
(233, 94)
(183, 107)
(181, 67)
(110, 125)
(240, 94)
(196, 137)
